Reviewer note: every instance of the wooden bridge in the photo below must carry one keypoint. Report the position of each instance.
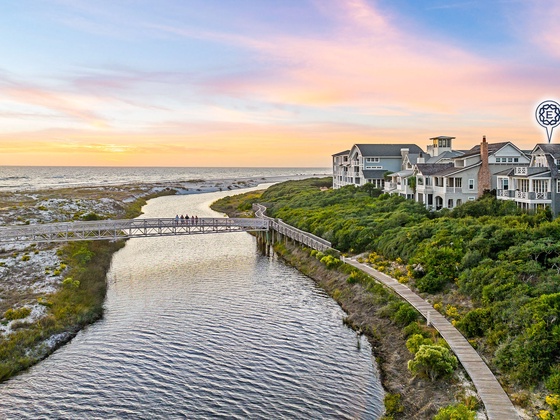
(128, 228)
(288, 231)
(145, 228)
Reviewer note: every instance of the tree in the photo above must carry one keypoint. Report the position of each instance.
(433, 361)
(371, 190)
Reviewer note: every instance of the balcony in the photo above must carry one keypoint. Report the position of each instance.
(533, 196)
(520, 170)
(505, 194)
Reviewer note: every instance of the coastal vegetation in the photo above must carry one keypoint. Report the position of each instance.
(492, 270)
(76, 302)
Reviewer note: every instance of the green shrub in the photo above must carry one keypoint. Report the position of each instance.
(92, 216)
(393, 405)
(455, 412)
(433, 361)
(355, 277)
(414, 328)
(405, 315)
(331, 262)
(25, 258)
(70, 283)
(415, 341)
(553, 381)
(20, 313)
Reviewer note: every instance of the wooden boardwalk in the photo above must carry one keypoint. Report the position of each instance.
(497, 403)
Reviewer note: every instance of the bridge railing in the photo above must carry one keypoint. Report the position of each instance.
(306, 238)
(127, 228)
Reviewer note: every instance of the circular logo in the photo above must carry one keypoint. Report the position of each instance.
(548, 115)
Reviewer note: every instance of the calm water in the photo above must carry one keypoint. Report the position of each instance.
(40, 177)
(204, 327)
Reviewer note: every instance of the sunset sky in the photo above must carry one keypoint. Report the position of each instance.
(267, 82)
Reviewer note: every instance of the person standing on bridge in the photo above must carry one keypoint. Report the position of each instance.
(187, 219)
(176, 219)
(182, 220)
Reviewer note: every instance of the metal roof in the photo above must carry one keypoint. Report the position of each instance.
(433, 168)
(374, 173)
(386, 149)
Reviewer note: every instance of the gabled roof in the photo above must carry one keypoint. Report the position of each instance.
(455, 170)
(386, 149)
(346, 152)
(432, 168)
(373, 173)
(492, 148)
(552, 149)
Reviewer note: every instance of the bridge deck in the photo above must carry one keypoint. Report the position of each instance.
(128, 228)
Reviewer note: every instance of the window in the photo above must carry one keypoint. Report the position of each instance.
(510, 160)
(540, 160)
(540, 185)
(373, 160)
(498, 160)
(450, 203)
(471, 184)
(458, 182)
(505, 183)
(420, 180)
(558, 186)
(516, 160)
(471, 198)
(523, 185)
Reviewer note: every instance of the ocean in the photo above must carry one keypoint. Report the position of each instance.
(24, 178)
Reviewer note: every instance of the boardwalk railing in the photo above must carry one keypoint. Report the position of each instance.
(134, 228)
(291, 232)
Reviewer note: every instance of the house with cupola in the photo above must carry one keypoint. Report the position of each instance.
(440, 152)
(534, 186)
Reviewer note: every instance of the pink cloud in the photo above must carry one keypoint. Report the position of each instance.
(75, 106)
(369, 60)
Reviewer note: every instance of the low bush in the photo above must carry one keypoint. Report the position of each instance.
(455, 412)
(19, 313)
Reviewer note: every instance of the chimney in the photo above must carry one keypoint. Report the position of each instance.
(420, 158)
(484, 171)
